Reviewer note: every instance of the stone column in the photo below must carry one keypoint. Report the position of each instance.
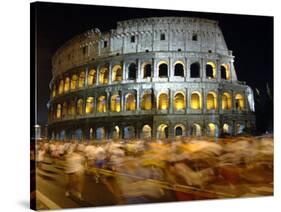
(124, 71)
(218, 70)
(110, 73)
(202, 70)
(187, 69)
(137, 96)
(155, 74)
(187, 100)
(97, 75)
(138, 77)
(122, 97)
(170, 70)
(170, 101)
(86, 76)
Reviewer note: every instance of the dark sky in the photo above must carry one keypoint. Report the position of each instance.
(249, 37)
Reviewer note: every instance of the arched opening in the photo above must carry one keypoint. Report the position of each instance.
(239, 102)
(195, 102)
(211, 101)
(71, 109)
(179, 70)
(195, 70)
(196, 130)
(163, 70)
(115, 105)
(226, 103)
(179, 101)
(80, 107)
(103, 75)
(130, 102)
(146, 131)
(81, 79)
(61, 87)
(74, 82)
(54, 91)
(92, 75)
(116, 73)
(146, 70)
(129, 132)
(179, 130)
(225, 73)
(162, 131)
(66, 84)
(64, 109)
(210, 70)
(163, 101)
(91, 133)
(146, 102)
(239, 128)
(90, 105)
(116, 132)
(212, 130)
(58, 111)
(101, 106)
(226, 129)
(62, 135)
(100, 133)
(78, 134)
(132, 75)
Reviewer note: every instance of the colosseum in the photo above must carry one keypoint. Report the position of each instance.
(159, 77)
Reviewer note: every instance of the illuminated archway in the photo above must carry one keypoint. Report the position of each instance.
(226, 129)
(146, 131)
(115, 105)
(162, 69)
(92, 75)
(163, 101)
(179, 69)
(64, 109)
(179, 101)
(195, 70)
(130, 102)
(116, 73)
(80, 106)
(225, 72)
(210, 70)
(71, 109)
(211, 101)
(58, 111)
(162, 131)
(74, 82)
(212, 130)
(239, 102)
(66, 84)
(61, 87)
(90, 105)
(146, 102)
(103, 75)
(226, 102)
(101, 106)
(196, 100)
(196, 130)
(54, 90)
(81, 83)
(239, 128)
(116, 132)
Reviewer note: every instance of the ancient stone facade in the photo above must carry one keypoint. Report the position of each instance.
(148, 78)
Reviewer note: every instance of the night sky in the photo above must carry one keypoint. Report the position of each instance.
(249, 37)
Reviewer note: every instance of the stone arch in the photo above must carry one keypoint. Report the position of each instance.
(179, 101)
(74, 82)
(78, 135)
(196, 130)
(211, 101)
(66, 84)
(179, 69)
(195, 70)
(54, 90)
(163, 101)
(210, 70)
(130, 102)
(71, 108)
(163, 69)
(147, 70)
(82, 78)
(129, 132)
(225, 72)
(61, 86)
(162, 131)
(79, 107)
(226, 128)
(239, 102)
(89, 105)
(116, 132)
(115, 103)
(226, 103)
(117, 73)
(179, 130)
(100, 133)
(212, 130)
(58, 113)
(62, 135)
(196, 100)
(101, 104)
(146, 101)
(132, 71)
(146, 131)
(240, 128)
(64, 109)
(92, 77)
(103, 74)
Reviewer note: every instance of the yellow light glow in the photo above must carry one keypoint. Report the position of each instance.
(66, 84)
(211, 101)
(91, 77)
(212, 129)
(226, 128)
(130, 102)
(80, 107)
(101, 104)
(226, 101)
(117, 73)
(196, 102)
(81, 83)
(163, 101)
(61, 87)
(146, 103)
(103, 76)
(90, 105)
(240, 103)
(213, 68)
(179, 101)
(115, 103)
(73, 83)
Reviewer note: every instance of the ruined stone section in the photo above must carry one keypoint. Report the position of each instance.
(148, 78)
